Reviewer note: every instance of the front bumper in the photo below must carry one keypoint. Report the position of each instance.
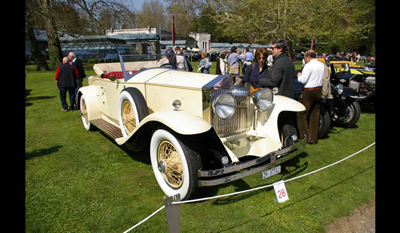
(224, 175)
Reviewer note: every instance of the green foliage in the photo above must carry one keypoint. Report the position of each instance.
(258, 21)
(80, 181)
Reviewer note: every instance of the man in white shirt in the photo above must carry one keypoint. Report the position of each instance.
(312, 76)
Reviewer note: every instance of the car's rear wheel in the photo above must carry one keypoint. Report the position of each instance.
(84, 114)
(174, 164)
(132, 108)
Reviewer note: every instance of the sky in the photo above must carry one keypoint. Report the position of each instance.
(138, 3)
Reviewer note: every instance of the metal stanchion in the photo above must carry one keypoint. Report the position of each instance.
(173, 213)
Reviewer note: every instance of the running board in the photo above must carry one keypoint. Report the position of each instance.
(108, 128)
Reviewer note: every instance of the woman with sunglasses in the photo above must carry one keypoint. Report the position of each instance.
(257, 71)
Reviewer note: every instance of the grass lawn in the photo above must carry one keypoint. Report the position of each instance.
(80, 181)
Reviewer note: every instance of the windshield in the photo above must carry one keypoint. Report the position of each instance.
(135, 62)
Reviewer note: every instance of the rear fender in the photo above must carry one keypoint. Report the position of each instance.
(91, 99)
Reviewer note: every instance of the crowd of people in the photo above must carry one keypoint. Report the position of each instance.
(273, 68)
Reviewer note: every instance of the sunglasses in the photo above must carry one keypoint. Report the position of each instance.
(259, 58)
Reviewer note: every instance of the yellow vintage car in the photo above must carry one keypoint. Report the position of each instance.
(350, 74)
(198, 128)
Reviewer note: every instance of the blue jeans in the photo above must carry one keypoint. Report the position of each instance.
(63, 96)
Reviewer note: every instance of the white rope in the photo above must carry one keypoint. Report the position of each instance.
(266, 186)
(144, 220)
(248, 190)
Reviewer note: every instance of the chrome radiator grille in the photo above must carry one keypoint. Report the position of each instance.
(241, 120)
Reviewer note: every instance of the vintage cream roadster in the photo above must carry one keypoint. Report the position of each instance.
(201, 130)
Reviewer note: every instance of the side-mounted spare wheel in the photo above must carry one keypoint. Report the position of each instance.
(132, 108)
(174, 164)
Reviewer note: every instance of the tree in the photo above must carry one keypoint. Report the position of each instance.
(53, 42)
(100, 15)
(37, 55)
(152, 15)
(260, 21)
(185, 17)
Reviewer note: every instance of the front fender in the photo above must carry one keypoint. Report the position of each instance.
(267, 124)
(348, 91)
(181, 122)
(283, 103)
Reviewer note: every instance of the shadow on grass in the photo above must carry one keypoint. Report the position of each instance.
(29, 99)
(41, 152)
(299, 201)
(241, 185)
(142, 155)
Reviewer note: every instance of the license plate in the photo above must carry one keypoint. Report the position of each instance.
(271, 172)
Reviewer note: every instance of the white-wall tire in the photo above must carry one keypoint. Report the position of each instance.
(84, 114)
(189, 164)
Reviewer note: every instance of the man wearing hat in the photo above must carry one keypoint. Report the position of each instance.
(176, 61)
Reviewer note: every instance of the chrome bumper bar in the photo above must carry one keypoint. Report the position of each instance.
(221, 176)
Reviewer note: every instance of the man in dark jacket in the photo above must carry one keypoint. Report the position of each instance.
(74, 61)
(282, 74)
(66, 81)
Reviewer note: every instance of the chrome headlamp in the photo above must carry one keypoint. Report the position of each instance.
(263, 99)
(224, 106)
(339, 88)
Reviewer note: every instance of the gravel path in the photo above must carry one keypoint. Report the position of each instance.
(362, 220)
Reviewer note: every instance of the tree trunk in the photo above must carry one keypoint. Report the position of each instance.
(54, 46)
(53, 42)
(37, 55)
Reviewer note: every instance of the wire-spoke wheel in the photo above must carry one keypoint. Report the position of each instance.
(128, 117)
(170, 164)
(132, 109)
(174, 164)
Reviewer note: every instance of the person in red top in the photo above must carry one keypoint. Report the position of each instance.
(66, 76)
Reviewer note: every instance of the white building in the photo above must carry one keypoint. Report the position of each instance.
(148, 30)
(203, 40)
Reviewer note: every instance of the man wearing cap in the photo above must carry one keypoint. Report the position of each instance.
(175, 61)
(312, 76)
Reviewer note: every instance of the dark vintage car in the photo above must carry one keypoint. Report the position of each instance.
(343, 109)
(360, 79)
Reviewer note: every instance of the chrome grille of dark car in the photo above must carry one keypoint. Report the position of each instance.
(241, 120)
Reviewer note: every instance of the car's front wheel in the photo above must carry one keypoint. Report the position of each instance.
(132, 108)
(174, 164)
(353, 113)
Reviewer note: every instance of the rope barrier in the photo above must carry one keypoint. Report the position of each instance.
(144, 220)
(249, 190)
(266, 186)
